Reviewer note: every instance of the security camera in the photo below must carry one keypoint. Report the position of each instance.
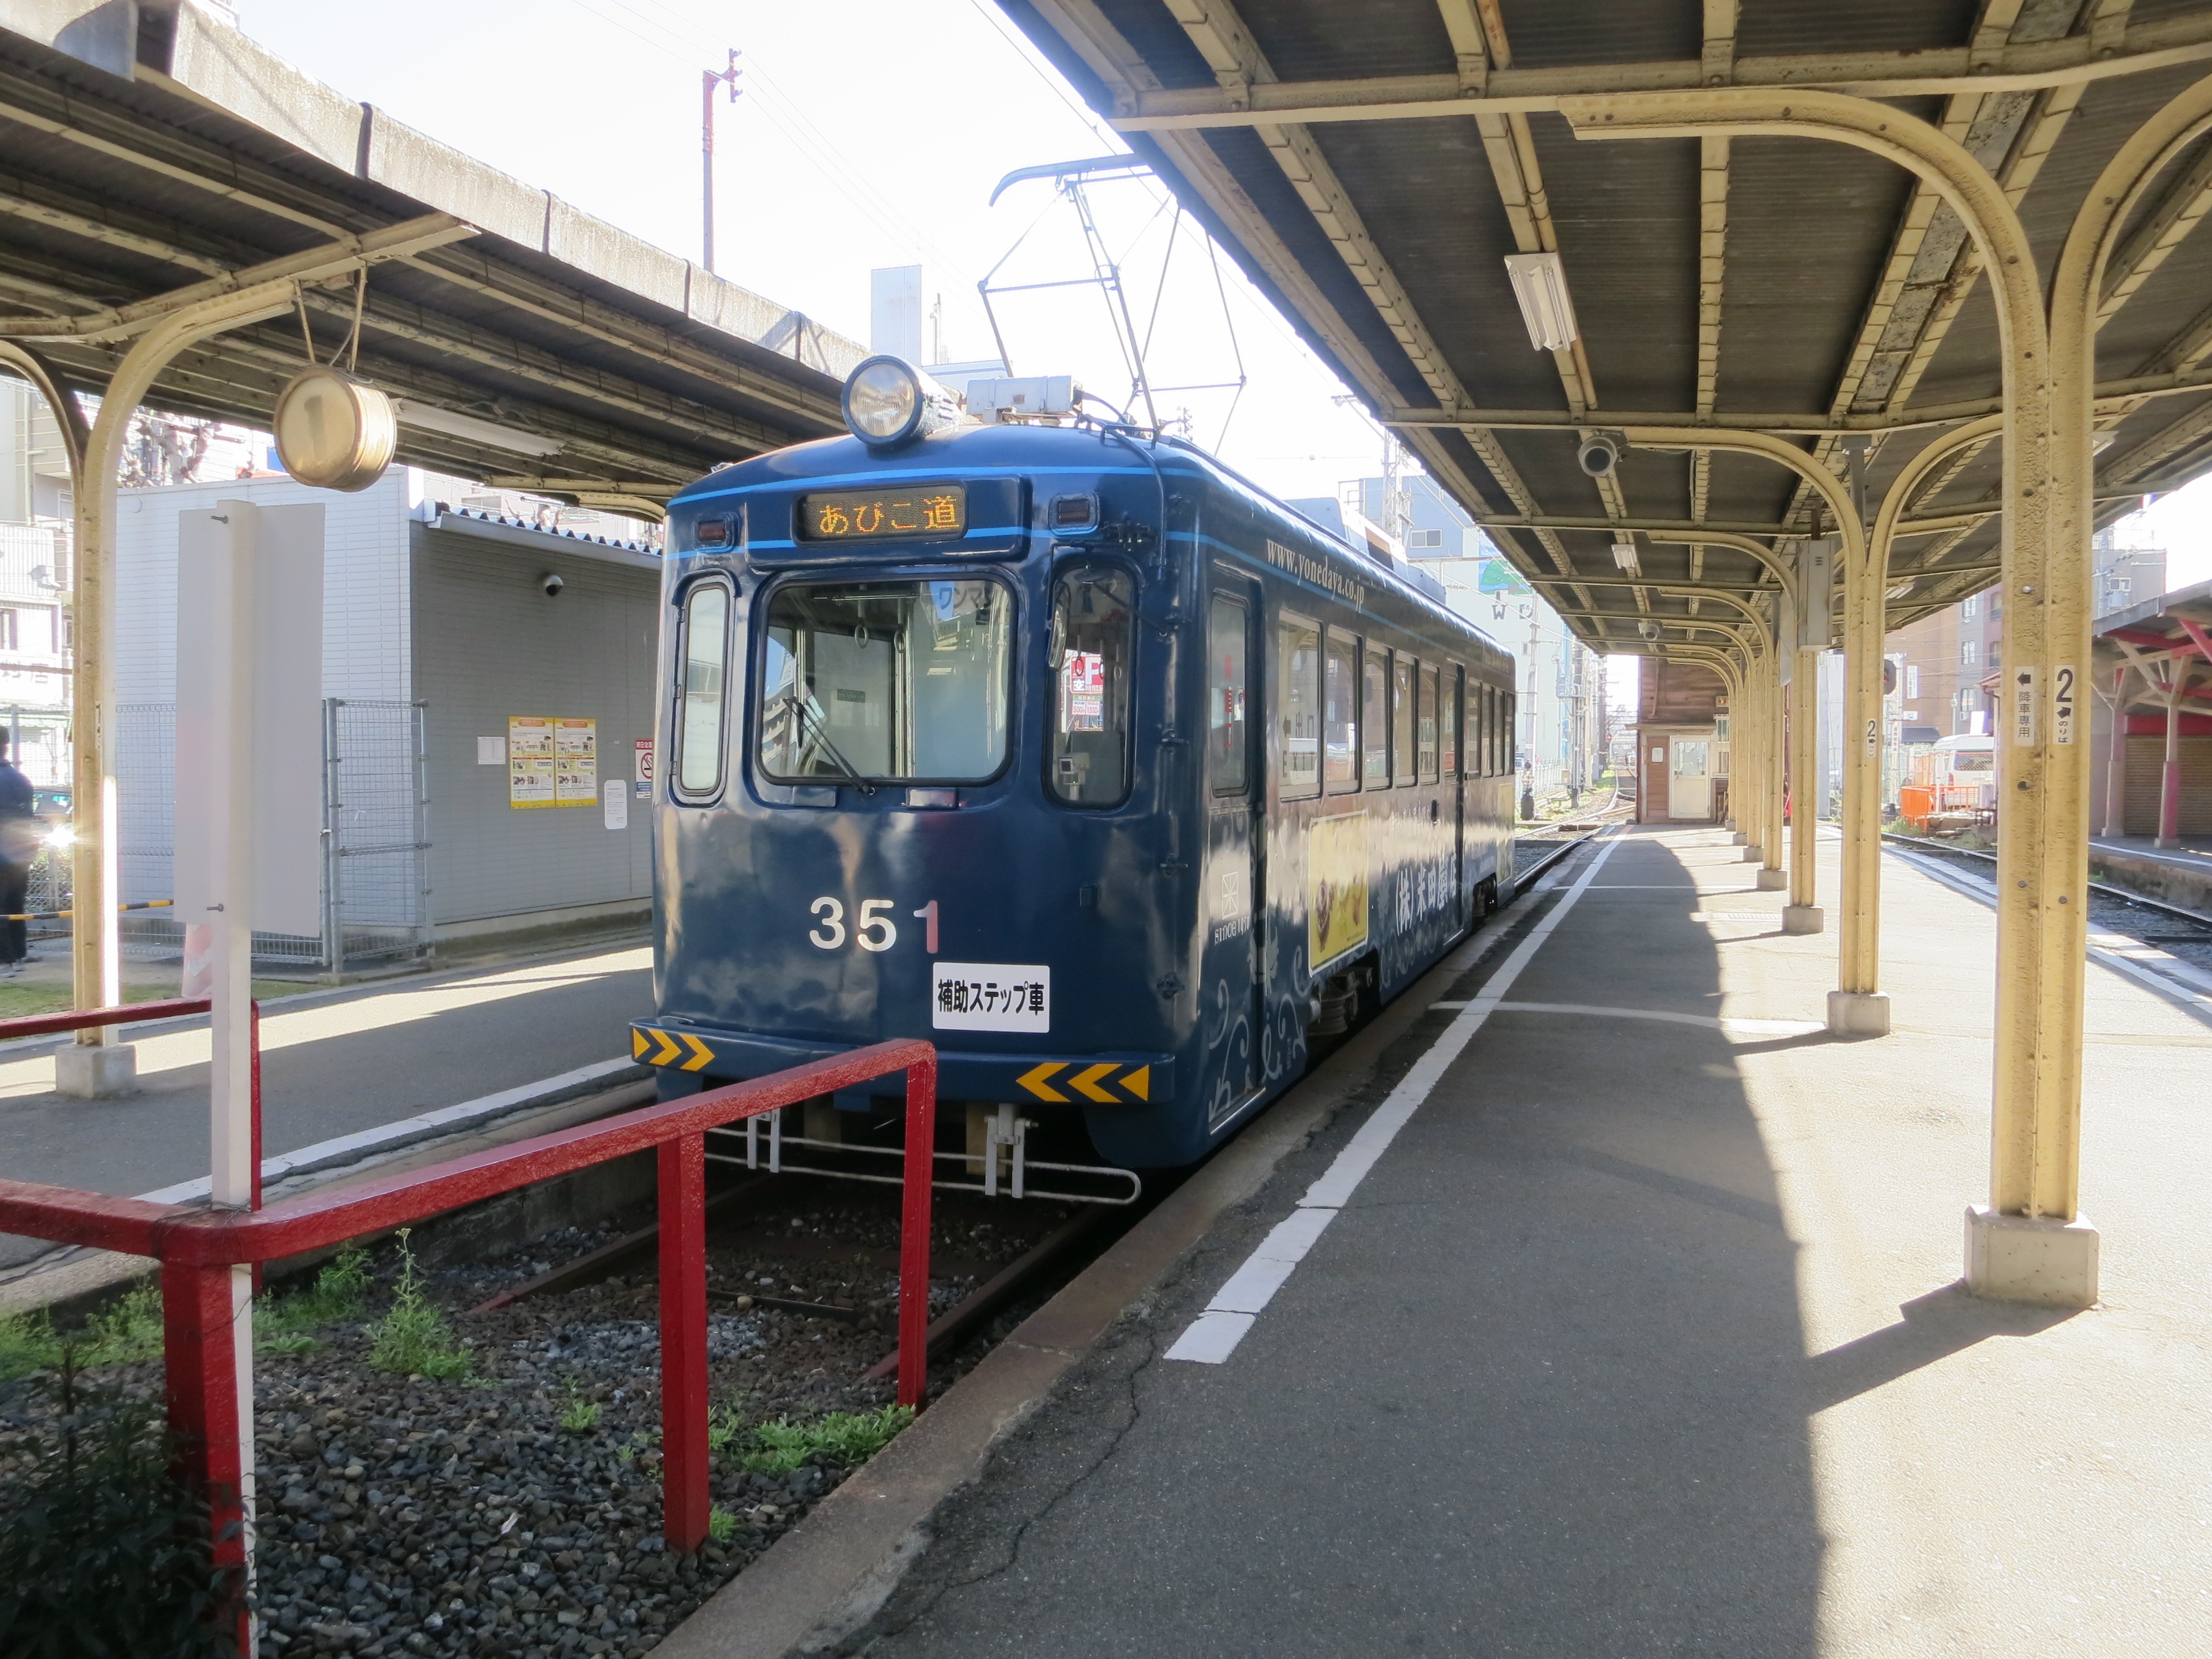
(552, 583)
(1599, 456)
(1649, 630)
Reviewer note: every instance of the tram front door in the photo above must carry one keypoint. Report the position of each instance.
(1229, 993)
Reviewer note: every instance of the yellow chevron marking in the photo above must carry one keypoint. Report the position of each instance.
(637, 1043)
(701, 1053)
(1139, 1083)
(667, 1053)
(1086, 1083)
(1037, 1077)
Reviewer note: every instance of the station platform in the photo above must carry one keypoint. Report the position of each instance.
(346, 1072)
(1619, 1315)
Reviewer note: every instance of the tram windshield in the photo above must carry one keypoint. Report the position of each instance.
(887, 682)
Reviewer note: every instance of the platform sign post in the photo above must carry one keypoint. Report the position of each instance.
(248, 838)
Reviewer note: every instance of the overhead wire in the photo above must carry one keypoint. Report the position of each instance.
(786, 113)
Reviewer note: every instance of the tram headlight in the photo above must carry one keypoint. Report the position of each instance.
(888, 402)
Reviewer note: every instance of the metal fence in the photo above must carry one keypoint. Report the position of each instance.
(376, 832)
(376, 838)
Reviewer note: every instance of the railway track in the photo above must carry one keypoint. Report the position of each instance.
(2104, 890)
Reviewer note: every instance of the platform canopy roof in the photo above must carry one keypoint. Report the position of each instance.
(151, 151)
(1374, 166)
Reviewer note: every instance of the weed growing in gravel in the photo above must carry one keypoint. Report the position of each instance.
(28, 1344)
(287, 1324)
(582, 1415)
(725, 1424)
(722, 1525)
(413, 1338)
(849, 1436)
(131, 1329)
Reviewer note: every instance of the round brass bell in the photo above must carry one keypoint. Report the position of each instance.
(335, 432)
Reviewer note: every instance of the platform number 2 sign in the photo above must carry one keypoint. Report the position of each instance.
(2062, 703)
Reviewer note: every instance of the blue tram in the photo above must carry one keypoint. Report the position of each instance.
(1062, 746)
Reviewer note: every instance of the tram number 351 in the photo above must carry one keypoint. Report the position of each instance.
(873, 930)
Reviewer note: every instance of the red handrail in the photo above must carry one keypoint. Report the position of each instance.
(197, 1249)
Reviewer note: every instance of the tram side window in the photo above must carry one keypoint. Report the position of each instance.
(1298, 705)
(1375, 721)
(701, 718)
(1340, 714)
(1508, 732)
(1485, 739)
(1430, 683)
(1091, 647)
(1405, 681)
(1448, 722)
(1225, 696)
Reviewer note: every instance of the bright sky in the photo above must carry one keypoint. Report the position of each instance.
(870, 133)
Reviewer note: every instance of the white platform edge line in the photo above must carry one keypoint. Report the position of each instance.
(405, 1128)
(1209, 1339)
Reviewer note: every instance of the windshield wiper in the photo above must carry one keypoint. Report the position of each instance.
(807, 718)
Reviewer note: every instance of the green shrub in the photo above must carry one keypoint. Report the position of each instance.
(101, 1552)
(848, 1437)
(413, 1337)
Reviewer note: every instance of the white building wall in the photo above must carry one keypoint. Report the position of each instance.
(365, 581)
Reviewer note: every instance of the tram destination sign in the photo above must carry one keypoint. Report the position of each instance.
(859, 514)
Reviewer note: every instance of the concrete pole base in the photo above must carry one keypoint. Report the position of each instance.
(2017, 1258)
(1753, 853)
(102, 1073)
(1736, 838)
(1858, 1014)
(1801, 919)
(1773, 881)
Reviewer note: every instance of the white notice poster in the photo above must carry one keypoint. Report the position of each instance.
(616, 798)
(491, 751)
(576, 762)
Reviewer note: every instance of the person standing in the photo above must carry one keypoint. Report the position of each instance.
(19, 845)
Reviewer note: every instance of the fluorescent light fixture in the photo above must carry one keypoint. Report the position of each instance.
(1898, 592)
(1624, 555)
(428, 418)
(1539, 283)
(2101, 442)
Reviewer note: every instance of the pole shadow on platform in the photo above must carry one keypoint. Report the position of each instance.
(1541, 1389)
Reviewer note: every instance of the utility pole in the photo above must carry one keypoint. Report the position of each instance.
(709, 80)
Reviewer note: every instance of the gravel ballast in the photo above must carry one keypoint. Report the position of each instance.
(412, 1515)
